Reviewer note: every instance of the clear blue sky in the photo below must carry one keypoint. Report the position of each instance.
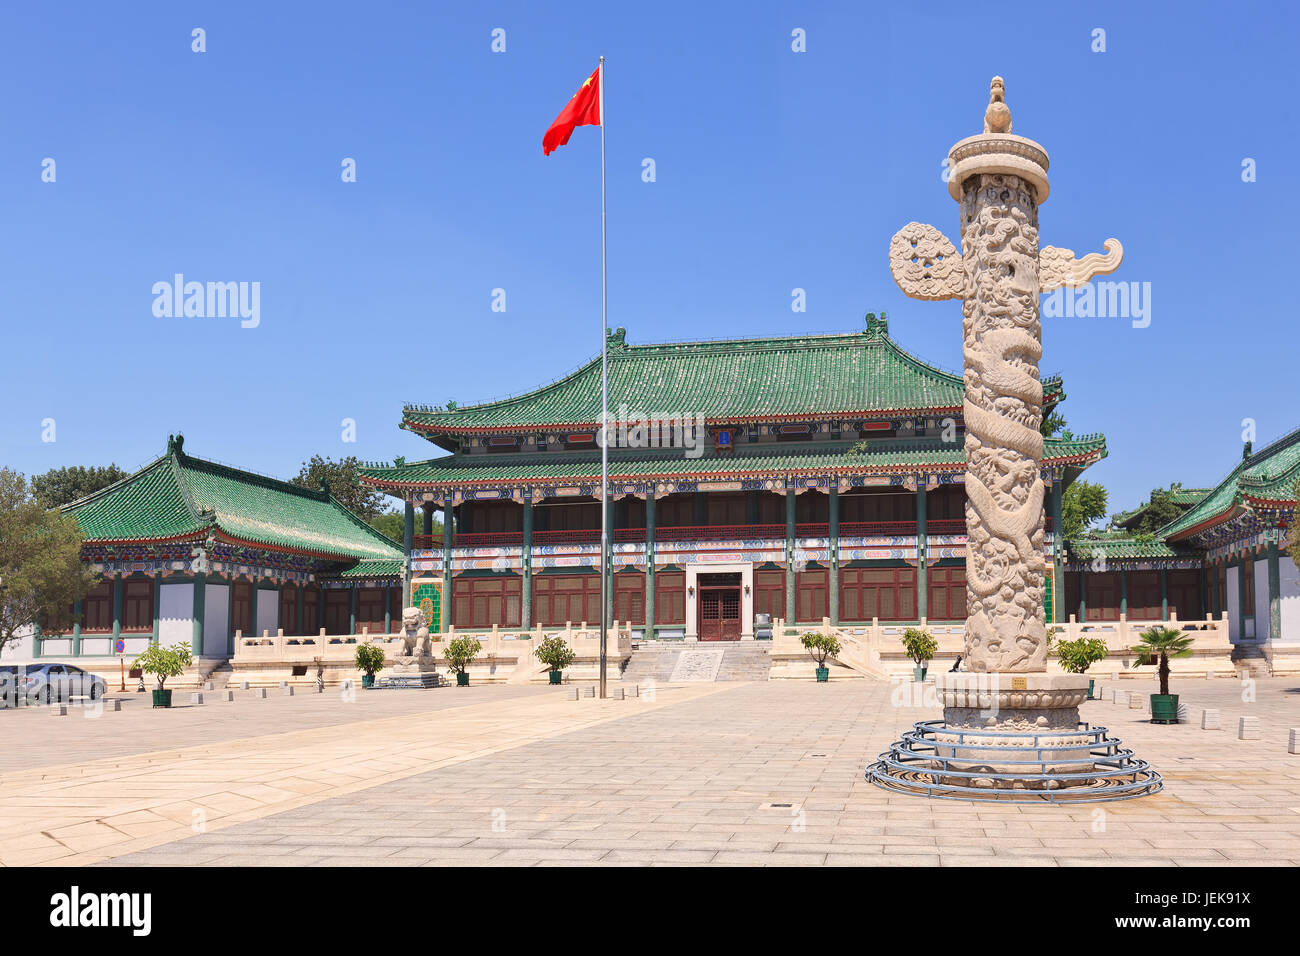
(775, 170)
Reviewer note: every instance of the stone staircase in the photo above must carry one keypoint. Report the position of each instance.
(740, 661)
(1251, 658)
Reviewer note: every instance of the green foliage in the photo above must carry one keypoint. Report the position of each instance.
(1160, 644)
(1159, 511)
(1081, 504)
(60, 486)
(391, 524)
(554, 653)
(40, 562)
(164, 662)
(344, 480)
(920, 645)
(820, 646)
(460, 652)
(1078, 655)
(370, 658)
(1053, 424)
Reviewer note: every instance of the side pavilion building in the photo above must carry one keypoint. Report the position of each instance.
(804, 478)
(192, 550)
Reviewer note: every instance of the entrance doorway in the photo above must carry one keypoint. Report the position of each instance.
(719, 607)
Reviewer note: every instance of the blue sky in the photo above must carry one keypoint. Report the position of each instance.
(775, 170)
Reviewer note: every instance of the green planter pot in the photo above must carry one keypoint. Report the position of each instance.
(162, 698)
(823, 675)
(918, 673)
(367, 680)
(1164, 708)
(462, 679)
(556, 676)
(1090, 683)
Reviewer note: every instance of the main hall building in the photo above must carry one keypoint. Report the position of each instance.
(828, 485)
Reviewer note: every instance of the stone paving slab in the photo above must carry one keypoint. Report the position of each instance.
(84, 812)
(694, 782)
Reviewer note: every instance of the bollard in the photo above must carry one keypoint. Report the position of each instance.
(1134, 702)
(284, 683)
(1209, 719)
(230, 695)
(1118, 696)
(616, 693)
(288, 690)
(589, 691)
(208, 685)
(59, 710)
(634, 691)
(114, 704)
(1293, 741)
(572, 693)
(1248, 728)
(260, 693)
(243, 685)
(196, 698)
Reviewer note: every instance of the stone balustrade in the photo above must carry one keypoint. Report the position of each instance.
(506, 654)
(876, 649)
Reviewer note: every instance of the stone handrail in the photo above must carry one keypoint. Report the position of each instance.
(876, 649)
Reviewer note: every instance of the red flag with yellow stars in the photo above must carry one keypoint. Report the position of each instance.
(583, 110)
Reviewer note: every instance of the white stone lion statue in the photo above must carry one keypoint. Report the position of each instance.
(414, 634)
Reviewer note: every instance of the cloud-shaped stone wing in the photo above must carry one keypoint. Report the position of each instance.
(1058, 267)
(925, 264)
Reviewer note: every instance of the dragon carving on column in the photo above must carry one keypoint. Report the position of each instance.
(998, 276)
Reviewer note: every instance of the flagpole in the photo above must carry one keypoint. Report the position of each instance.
(604, 397)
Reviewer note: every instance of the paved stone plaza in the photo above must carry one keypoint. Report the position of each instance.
(744, 773)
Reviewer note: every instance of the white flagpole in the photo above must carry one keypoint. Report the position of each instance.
(604, 395)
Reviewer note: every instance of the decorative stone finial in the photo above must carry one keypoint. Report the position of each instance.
(997, 118)
(176, 444)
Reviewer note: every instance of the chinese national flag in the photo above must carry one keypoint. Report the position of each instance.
(583, 110)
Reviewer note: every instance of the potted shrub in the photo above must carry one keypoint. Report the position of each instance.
(370, 658)
(820, 647)
(459, 653)
(920, 647)
(1078, 655)
(556, 655)
(1158, 645)
(164, 662)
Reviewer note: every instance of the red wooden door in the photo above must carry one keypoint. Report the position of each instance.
(719, 614)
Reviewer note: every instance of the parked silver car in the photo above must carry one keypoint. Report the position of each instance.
(49, 683)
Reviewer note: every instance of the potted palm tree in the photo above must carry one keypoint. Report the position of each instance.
(1078, 655)
(1158, 645)
(921, 647)
(164, 662)
(820, 647)
(370, 658)
(459, 653)
(556, 655)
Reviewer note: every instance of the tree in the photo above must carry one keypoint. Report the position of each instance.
(1159, 511)
(40, 562)
(1081, 504)
(343, 478)
(1293, 536)
(1053, 424)
(61, 486)
(391, 524)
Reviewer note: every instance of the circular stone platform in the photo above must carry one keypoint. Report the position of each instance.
(1015, 738)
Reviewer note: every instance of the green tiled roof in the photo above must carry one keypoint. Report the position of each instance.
(371, 568)
(1116, 548)
(853, 373)
(453, 470)
(1269, 474)
(180, 496)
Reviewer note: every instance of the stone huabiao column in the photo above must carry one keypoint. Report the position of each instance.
(999, 180)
